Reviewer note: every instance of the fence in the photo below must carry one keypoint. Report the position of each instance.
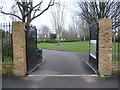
(6, 45)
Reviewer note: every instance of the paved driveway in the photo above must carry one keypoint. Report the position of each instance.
(61, 69)
(63, 62)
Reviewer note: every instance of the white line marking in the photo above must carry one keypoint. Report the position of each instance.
(93, 75)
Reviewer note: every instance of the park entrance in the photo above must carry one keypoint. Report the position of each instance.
(25, 44)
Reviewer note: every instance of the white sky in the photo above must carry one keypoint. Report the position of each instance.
(44, 18)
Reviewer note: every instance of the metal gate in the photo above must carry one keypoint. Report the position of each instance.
(116, 42)
(31, 46)
(93, 54)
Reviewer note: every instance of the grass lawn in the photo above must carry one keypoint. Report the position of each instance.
(115, 47)
(75, 47)
(116, 57)
(68, 46)
(116, 51)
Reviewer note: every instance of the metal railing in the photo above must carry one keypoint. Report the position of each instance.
(6, 41)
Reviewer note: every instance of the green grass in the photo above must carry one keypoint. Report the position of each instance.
(68, 46)
(115, 50)
(115, 47)
(72, 46)
(75, 47)
(116, 57)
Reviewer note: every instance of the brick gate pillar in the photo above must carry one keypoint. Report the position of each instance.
(19, 48)
(105, 46)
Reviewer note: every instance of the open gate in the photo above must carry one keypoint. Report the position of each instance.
(93, 54)
(31, 46)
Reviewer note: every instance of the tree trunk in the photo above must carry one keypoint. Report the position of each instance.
(58, 39)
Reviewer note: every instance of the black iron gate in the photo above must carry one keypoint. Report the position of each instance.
(31, 46)
(93, 54)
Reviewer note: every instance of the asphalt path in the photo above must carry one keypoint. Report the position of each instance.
(63, 62)
(61, 69)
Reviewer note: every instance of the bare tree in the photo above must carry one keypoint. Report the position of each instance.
(84, 33)
(57, 18)
(43, 32)
(80, 27)
(65, 35)
(92, 11)
(72, 33)
(26, 11)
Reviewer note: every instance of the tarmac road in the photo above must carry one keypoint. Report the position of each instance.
(63, 62)
(61, 69)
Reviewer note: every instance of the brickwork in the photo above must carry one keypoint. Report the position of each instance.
(105, 46)
(19, 48)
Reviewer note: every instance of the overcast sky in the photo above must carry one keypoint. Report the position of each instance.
(45, 18)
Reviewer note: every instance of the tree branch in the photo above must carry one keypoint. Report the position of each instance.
(11, 14)
(38, 4)
(50, 4)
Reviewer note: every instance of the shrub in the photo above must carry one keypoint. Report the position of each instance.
(7, 58)
(47, 41)
(51, 41)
